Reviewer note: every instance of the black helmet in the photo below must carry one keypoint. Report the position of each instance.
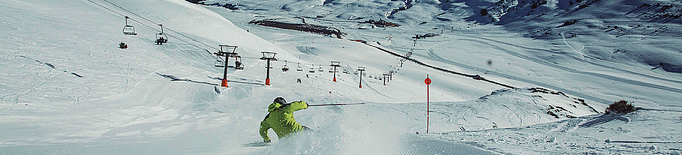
(280, 100)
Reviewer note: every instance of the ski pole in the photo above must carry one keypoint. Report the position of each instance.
(334, 104)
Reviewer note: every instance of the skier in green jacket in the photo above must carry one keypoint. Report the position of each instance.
(281, 119)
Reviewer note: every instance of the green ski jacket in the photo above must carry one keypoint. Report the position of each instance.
(281, 120)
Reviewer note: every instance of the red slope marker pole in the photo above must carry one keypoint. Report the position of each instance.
(428, 82)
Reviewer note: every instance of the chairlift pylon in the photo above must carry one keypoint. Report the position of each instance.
(228, 51)
(161, 37)
(128, 29)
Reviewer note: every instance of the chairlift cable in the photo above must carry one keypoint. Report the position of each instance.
(124, 9)
(146, 19)
(154, 28)
(150, 27)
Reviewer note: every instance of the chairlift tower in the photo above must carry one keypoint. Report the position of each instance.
(361, 69)
(385, 75)
(390, 75)
(335, 64)
(268, 56)
(225, 52)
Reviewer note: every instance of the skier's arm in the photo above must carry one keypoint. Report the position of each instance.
(295, 106)
(264, 127)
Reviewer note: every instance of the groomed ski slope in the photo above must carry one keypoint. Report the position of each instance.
(68, 89)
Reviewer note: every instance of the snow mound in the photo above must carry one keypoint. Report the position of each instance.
(594, 134)
(509, 108)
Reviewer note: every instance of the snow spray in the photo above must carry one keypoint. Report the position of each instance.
(312, 105)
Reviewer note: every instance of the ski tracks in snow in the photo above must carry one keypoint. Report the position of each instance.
(432, 54)
(581, 95)
(51, 66)
(588, 122)
(557, 66)
(568, 125)
(604, 119)
(419, 145)
(569, 45)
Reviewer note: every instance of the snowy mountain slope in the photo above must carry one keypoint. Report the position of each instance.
(643, 24)
(65, 80)
(557, 63)
(102, 99)
(68, 89)
(584, 57)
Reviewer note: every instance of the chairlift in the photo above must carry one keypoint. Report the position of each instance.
(129, 29)
(238, 63)
(320, 69)
(161, 37)
(219, 62)
(285, 68)
(312, 69)
(331, 70)
(230, 51)
(299, 67)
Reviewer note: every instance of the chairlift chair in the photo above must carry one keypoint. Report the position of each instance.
(320, 69)
(238, 63)
(161, 37)
(299, 67)
(129, 29)
(219, 62)
(312, 69)
(285, 68)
